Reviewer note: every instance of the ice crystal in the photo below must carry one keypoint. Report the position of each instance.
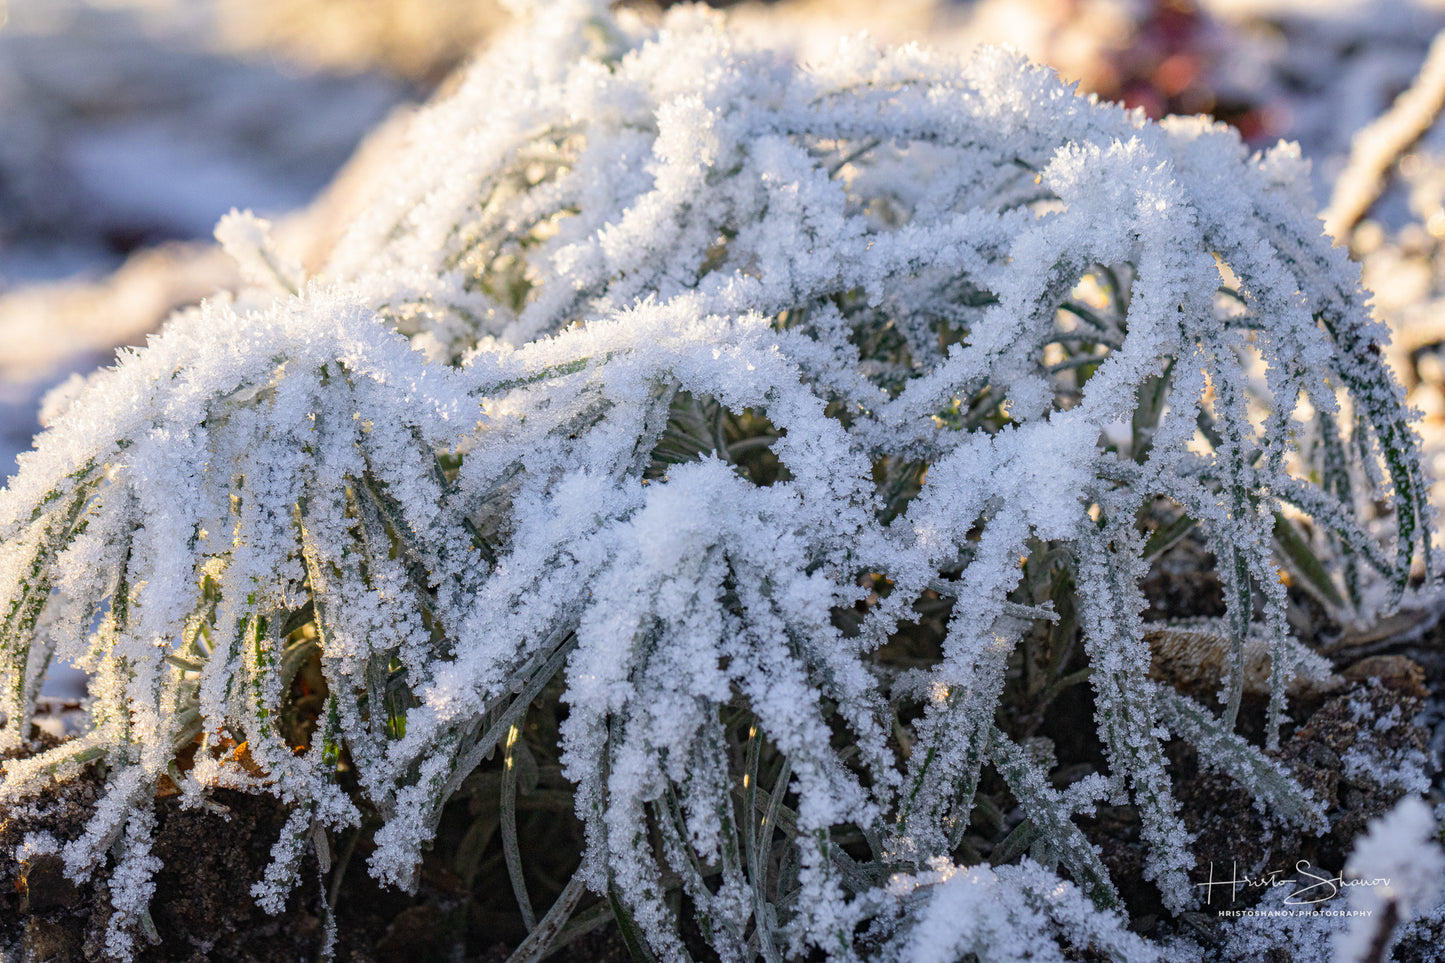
(677, 371)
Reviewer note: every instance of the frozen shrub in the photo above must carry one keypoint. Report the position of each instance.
(688, 377)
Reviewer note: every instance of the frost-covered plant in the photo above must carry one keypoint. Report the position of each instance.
(693, 378)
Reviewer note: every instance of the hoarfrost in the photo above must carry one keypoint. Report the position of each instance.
(654, 352)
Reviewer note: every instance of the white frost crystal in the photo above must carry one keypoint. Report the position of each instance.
(653, 354)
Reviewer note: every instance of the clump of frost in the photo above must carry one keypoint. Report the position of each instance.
(36, 844)
(247, 239)
(1378, 756)
(654, 354)
(1406, 768)
(1001, 914)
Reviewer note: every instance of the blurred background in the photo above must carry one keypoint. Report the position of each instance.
(128, 127)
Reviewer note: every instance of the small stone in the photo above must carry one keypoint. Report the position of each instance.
(43, 885)
(1395, 672)
(45, 942)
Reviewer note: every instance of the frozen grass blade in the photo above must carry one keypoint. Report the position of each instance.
(510, 847)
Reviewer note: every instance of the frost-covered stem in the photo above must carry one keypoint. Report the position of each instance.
(757, 841)
(1222, 749)
(539, 941)
(1109, 605)
(1376, 147)
(1046, 808)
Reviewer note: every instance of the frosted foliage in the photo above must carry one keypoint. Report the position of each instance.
(1004, 914)
(654, 355)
